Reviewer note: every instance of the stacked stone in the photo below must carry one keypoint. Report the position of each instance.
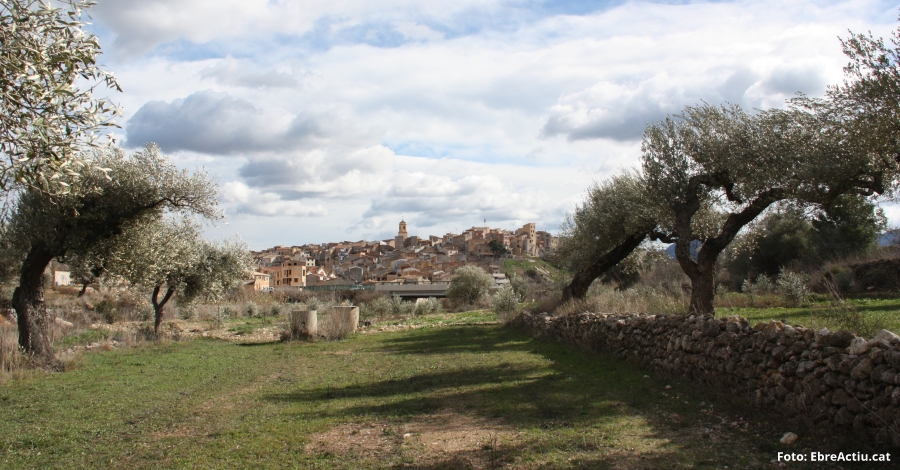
(833, 378)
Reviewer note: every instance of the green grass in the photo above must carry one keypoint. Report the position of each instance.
(245, 325)
(519, 266)
(85, 337)
(504, 398)
(445, 318)
(875, 313)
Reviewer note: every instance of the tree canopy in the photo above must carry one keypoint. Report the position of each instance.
(47, 122)
(469, 284)
(709, 171)
(104, 200)
(613, 220)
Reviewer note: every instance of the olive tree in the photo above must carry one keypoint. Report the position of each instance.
(168, 256)
(104, 199)
(469, 284)
(747, 162)
(219, 269)
(49, 76)
(155, 255)
(614, 219)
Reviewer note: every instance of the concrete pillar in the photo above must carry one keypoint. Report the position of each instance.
(347, 315)
(304, 323)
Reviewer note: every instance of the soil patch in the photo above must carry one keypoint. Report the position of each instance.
(443, 440)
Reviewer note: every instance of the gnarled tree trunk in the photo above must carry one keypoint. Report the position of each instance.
(703, 287)
(583, 279)
(28, 301)
(702, 272)
(158, 306)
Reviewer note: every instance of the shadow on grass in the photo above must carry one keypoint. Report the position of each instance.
(555, 395)
(454, 339)
(878, 308)
(259, 343)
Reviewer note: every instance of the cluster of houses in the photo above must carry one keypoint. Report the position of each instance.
(404, 259)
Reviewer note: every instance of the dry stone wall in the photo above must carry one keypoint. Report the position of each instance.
(834, 379)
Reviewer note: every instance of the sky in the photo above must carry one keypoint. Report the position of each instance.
(331, 121)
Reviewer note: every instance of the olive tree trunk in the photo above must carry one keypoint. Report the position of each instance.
(31, 311)
(702, 271)
(159, 305)
(583, 279)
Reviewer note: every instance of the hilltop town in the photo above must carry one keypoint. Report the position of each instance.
(404, 259)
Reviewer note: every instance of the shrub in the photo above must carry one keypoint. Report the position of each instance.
(520, 286)
(792, 286)
(407, 309)
(333, 326)
(313, 303)
(106, 308)
(275, 310)
(505, 302)
(251, 309)
(187, 311)
(468, 285)
(428, 306)
(845, 315)
(764, 285)
(228, 312)
(396, 305)
(380, 307)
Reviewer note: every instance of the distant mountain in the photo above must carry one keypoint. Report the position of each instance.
(695, 248)
(891, 237)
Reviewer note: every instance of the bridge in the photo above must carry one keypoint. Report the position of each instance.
(390, 288)
(414, 290)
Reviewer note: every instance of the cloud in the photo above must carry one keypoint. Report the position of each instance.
(614, 111)
(789, 79)
(437, 199)
(242, 73)
(619, 110)
(417, 31)
(246, 200)
(216, 123)
(140, 26)
(336, 173)
(502, 110)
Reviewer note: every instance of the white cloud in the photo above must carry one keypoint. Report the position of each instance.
(244, 73)
(246, 200)
(141, 25)
(516, 111)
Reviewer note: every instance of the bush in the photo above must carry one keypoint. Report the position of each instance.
(520, 286)
(275, 310)
(428, 306)
(407, 309)
(227, 312)
(251, 309)
(505, 302)
(792, 286)
(313, 303)
(187, 311)
(106, 308)
(468, 285)
(845, 315)
(380, 307)
(396, 305)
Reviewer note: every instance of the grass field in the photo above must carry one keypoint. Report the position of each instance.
(426, 396)
(870, 315)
